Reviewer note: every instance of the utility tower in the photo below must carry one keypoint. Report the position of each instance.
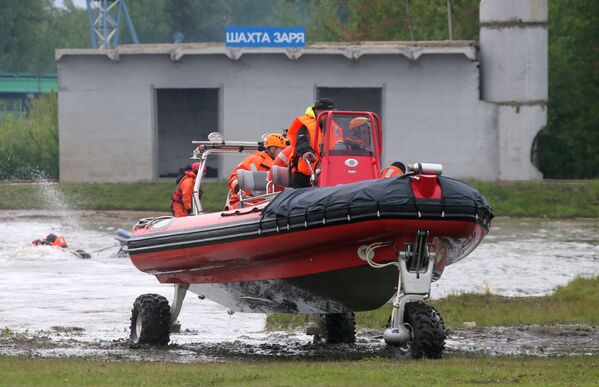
(104, 22)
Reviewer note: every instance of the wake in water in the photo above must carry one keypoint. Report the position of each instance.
(42, 254)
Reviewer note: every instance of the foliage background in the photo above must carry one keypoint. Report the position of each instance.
(29, 142)
(567, 148)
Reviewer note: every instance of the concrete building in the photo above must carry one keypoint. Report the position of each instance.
(129, 114)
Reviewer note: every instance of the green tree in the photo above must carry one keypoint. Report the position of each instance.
(29, 143)
(20, 36)
(372, 20)
(569, 145)
(152, 24)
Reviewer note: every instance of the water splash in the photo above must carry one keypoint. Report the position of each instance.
(54, 199)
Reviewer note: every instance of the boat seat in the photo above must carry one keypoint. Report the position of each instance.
(255, 181)
(281, 176)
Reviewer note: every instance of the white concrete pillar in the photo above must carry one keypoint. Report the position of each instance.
(513, 52)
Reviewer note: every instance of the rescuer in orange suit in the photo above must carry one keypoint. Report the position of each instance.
(302, 137)
(183, 196)
(359, 134)
(395, 169)
(259, 161)
(51, 240)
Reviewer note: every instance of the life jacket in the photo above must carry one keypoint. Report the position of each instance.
(177, 197)
(309, 121)
(59, 242)
(391, 171)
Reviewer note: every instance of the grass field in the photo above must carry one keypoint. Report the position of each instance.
(553, 199)
(547, 198)
(572, 371)
(133, 196)
(578, 302)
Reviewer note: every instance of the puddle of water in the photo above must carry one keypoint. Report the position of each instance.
(530, 258)
(42, 287)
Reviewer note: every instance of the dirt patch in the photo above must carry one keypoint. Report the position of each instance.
(565, 340)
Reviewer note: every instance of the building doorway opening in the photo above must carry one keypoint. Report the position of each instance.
(184, 115)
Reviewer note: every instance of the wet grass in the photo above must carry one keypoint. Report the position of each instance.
(552, 199)
(546, 198)
(454, 370)
(134, 196)
(577, 302)
(6, 332)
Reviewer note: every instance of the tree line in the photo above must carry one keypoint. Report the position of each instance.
(567, 148)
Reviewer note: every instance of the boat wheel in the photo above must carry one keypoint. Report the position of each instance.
(150, 320)
(427, 329)
(340, 328)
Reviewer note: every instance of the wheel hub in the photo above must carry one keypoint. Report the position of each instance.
(399, 336)
(138, 325)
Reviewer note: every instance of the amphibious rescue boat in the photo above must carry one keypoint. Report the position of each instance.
(354, 241)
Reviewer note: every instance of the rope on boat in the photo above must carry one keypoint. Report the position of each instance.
(366, 253)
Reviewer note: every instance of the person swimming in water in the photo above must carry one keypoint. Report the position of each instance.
(51, 240)
(60, 242)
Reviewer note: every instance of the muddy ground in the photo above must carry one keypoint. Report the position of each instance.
(564, 340)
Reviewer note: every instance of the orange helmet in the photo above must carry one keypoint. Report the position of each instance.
(357, 123)
(275, 139)
(195, 167)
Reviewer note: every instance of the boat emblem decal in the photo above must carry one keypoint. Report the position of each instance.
(351, 163)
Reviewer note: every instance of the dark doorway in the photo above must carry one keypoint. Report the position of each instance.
(184, 115)
(354, 98)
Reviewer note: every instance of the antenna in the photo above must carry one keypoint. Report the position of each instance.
(104, 22)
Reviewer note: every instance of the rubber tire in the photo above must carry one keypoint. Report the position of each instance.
(428, 331)
(155, 315)
(340, 328)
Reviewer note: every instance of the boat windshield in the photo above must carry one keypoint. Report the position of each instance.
(349, 135)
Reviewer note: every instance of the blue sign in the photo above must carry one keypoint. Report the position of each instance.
(265, 37)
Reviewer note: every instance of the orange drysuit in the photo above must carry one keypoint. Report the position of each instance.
(259, 161)
(182, 198)
(282, 160)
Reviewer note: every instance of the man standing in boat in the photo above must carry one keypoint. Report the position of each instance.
(302, 136)
(181, 204)
(261, 160)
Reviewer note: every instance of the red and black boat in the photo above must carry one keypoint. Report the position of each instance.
(346, 244)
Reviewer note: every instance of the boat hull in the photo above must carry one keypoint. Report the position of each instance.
(299, 254)
(353, 289)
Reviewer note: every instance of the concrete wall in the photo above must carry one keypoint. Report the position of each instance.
(431, 109)
(431, 98)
